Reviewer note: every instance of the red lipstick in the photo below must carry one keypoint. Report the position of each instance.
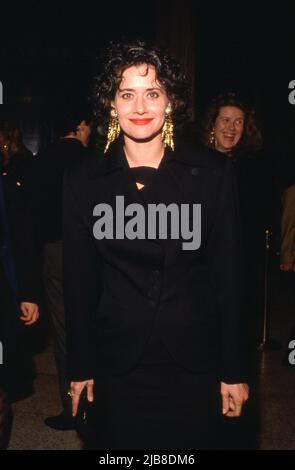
(140, 122)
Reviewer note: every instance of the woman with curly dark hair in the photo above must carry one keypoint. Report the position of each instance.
(155, 335)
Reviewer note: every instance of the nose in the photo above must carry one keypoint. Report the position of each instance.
(231, 125)
(140, 105)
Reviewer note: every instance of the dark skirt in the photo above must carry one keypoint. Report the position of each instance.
(157, 408)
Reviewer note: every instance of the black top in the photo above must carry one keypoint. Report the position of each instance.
(153, 191)
(144, 175)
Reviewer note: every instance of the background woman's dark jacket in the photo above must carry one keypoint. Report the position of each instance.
(18, 282)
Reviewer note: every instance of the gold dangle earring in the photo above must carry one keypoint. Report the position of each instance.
(212, 138)
(113, 129)
(167, 131)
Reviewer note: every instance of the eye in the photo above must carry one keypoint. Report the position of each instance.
(153, 94)
(126, 96)
(240, 122)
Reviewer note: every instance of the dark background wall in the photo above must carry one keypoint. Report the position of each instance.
(49, 51)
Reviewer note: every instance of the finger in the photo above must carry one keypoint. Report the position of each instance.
(26, 320)
(27, 312)
(231, 414)
(90, 395)
(29, 315)
(231, 408)
(75, 403)
(235, 408)
(238, 409)
(235, 413)
(30, 322)
(232, 405)
(23, 318)
(225, 404)
(24, 311)
(33, 317)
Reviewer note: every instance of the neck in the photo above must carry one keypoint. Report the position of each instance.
(144, 153)
(227, 152)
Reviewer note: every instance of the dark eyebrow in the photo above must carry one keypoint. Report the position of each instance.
(228, 117)
(125, 89)
(131, 89)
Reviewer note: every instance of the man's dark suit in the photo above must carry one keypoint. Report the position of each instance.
(115, 289)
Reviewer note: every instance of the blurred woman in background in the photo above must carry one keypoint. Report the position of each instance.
(231, 128)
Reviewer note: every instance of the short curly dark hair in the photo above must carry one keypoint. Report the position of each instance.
(251, 140)
(121, 56)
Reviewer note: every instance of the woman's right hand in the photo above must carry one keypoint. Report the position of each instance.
(76, 390)
(287, 267)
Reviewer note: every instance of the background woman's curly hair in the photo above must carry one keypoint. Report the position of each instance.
(251, 140)
(119, 57)
(12, 134)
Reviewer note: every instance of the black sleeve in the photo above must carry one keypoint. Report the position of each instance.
(22, 232)
(226, 266)
(82, 284)
(27, 259)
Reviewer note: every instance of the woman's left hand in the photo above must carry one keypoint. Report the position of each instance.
(76, 390)
(233, 398)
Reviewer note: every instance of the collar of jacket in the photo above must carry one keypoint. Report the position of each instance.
(184, 154)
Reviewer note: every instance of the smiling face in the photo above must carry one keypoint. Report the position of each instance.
(141, 103)
(228, 128)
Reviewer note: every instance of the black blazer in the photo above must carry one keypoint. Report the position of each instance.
(47, 186)
(116, 289)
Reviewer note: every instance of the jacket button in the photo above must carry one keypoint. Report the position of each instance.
(195, 171)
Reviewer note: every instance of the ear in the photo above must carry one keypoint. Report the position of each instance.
(168, 109)
(113, 110)
(81, 125)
